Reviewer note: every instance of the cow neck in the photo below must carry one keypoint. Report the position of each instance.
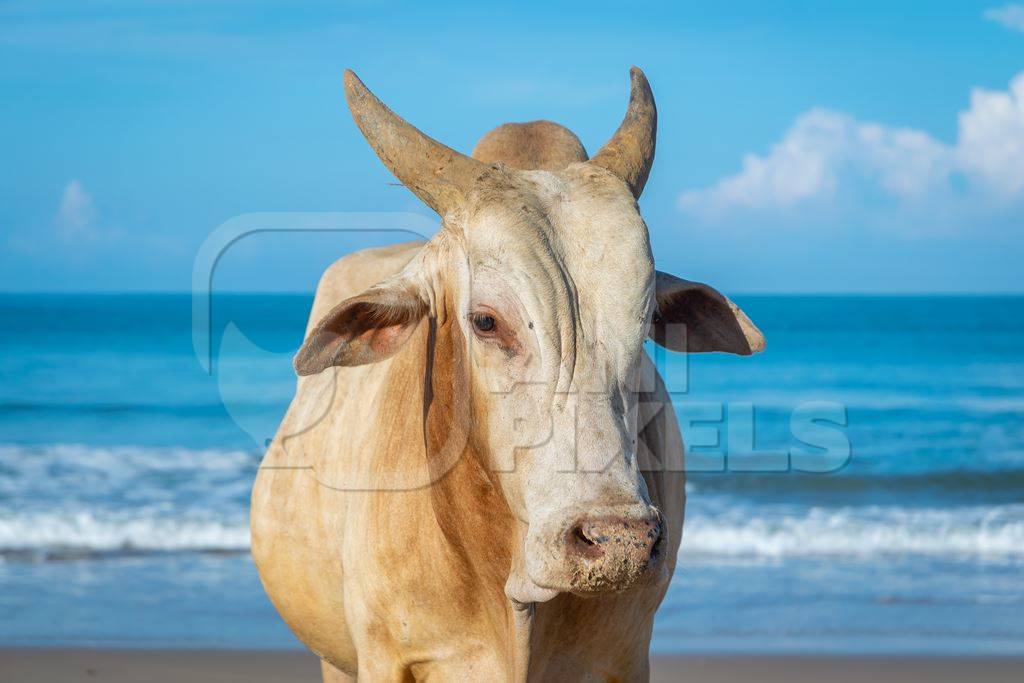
(471, 520)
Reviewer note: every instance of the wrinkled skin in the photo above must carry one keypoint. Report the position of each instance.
(481, 475)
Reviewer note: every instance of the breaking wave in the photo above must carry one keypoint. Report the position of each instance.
(60, 501)
(979, 533)
(973, 533)
(61, 535)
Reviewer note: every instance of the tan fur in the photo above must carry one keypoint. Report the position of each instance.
(415, 516)
(537, 145)
(400, 584)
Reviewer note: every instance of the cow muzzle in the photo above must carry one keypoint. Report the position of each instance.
(598, 551)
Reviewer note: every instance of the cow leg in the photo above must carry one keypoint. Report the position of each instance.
(333, 675)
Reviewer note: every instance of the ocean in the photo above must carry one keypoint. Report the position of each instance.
(125, 471)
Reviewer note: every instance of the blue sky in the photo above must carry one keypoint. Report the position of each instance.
(803, 146)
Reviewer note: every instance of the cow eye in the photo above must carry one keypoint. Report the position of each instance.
(484, 323)
(656, 318)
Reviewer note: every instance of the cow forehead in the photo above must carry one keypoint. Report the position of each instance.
(572, 235)
(604, 243)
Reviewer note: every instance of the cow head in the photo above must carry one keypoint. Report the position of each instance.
(545, 279)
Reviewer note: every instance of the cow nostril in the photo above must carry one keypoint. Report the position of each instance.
(595, 538)
(577, 532)
(656, 535)
(585, 544)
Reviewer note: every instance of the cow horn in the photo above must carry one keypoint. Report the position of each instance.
(630, 152)
(435, 173)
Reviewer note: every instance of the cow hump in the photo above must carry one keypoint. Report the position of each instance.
(537, 145)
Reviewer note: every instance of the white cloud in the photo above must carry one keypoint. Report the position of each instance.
(826, 151)
(76, 217)
(991, 142)
(1011, 16)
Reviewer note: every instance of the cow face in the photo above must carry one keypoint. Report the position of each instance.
(547, 278)
(560, 300)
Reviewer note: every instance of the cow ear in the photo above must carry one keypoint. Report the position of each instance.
(695, 318)
(363, 329)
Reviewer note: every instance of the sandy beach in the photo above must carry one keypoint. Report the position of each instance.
(167, 666)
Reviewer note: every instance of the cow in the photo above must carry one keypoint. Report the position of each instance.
(480, 477)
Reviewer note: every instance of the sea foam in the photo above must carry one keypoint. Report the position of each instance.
(83, 500)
